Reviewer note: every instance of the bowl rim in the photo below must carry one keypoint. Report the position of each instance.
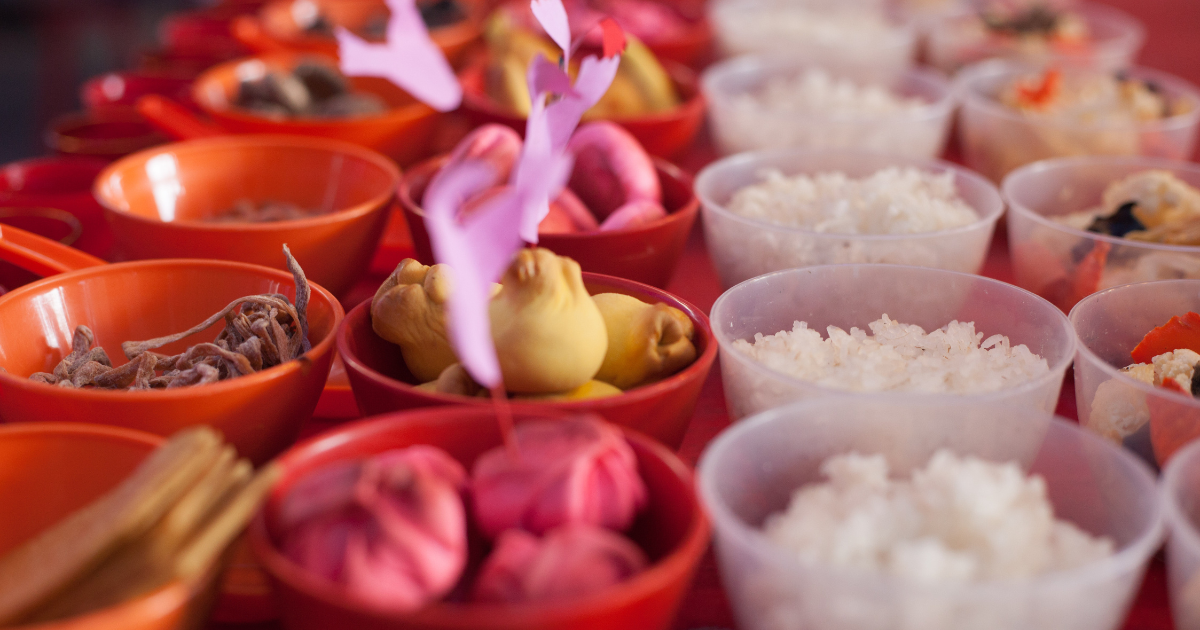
(235, 143)
(306, 124)
(81, 429)
(275, 373)
(1054, 374)
(1171, 484)
(699, 366)
(692, 544)
(902, 29)
(741, 160)
(663, 169)
(60, 136)
(1041, 167)
(771, 65)
(1130, 31)
(461, 31)
(969, 97)
(1136, 552)
(1083, 352)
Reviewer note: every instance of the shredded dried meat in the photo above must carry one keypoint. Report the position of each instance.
(261, 331)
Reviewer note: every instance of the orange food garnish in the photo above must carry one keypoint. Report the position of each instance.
(1042, 93)
(1178, 333)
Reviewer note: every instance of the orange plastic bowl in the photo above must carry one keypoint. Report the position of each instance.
(402, 133)
(260, 414)
(157, 202)
(647, 253)
(665, 134)
(49, 470)
(382, 383)
(672, 530)
(274, 28)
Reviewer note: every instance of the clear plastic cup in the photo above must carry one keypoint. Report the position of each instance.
(1152, 421)
(751, 470)
(1064, 264)
(740, 122)
(1115, 37)
(1181, 506)
(816, 32)
(856, 295)
(742, 247)
(997, 139)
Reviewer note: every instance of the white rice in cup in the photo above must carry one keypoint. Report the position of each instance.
(890, 201)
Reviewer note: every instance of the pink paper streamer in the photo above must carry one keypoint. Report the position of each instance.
(552, 15)
(409, 58)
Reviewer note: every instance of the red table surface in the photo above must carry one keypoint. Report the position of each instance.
(1170, 25)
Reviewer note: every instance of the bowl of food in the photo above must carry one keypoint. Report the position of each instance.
(1130, 387)
(988, 343)
(786, 208)
(62, 183)
(1071, 34)
(863, 35)
(303, 95)
(647, 375)
(853, 513)
(105, 135)
(666, 537)
(308, 25)
(1074, 226)
(211, 198)
(623, 213)
(65, 360)
(659, 102)
(1179, 480)
(769, 103)
(1012, 114)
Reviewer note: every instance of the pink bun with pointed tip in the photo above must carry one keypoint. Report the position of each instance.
(611, 169)
(634, 214)
(497, 144)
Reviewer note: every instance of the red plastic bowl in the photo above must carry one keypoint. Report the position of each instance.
(646, 254)
(62, 183)
(665, 134)
(120, 91)
(662, 410)
(673, 531)
(104, 135)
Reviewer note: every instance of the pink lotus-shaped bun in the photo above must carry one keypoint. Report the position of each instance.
(579, 470)
(390, 529)
(570, 561)
(611, 169)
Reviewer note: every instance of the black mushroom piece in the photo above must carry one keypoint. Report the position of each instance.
(1119, 223)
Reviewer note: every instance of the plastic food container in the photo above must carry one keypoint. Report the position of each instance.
(739, 122)
(743, 247)
(646, 253)
(997, 139)
(157, 203)
(768, 26)
(672, 530)
(856, 295)
(1063, 264)
(957, 40)
(1180, 480)
(47, 471)
(382, 383)
(751, 470)
(1156, 422)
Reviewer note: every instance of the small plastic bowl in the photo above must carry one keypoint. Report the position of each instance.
(48, 471)
(672, 530)
(260, 414)
(1152, 421)
(997, 139)
(742, 247)
(957, 39)
(119, 91)
(62, 183)
(647, 253)
(888, 55)
(739, 122)
(1063, 264)
(402, 133)
(751, 470)
(157, 202)
(105, 135)
(56, 225)
(1180, 480)
(662, 410)
(856, 295)
(664, 134)
(274, 28)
